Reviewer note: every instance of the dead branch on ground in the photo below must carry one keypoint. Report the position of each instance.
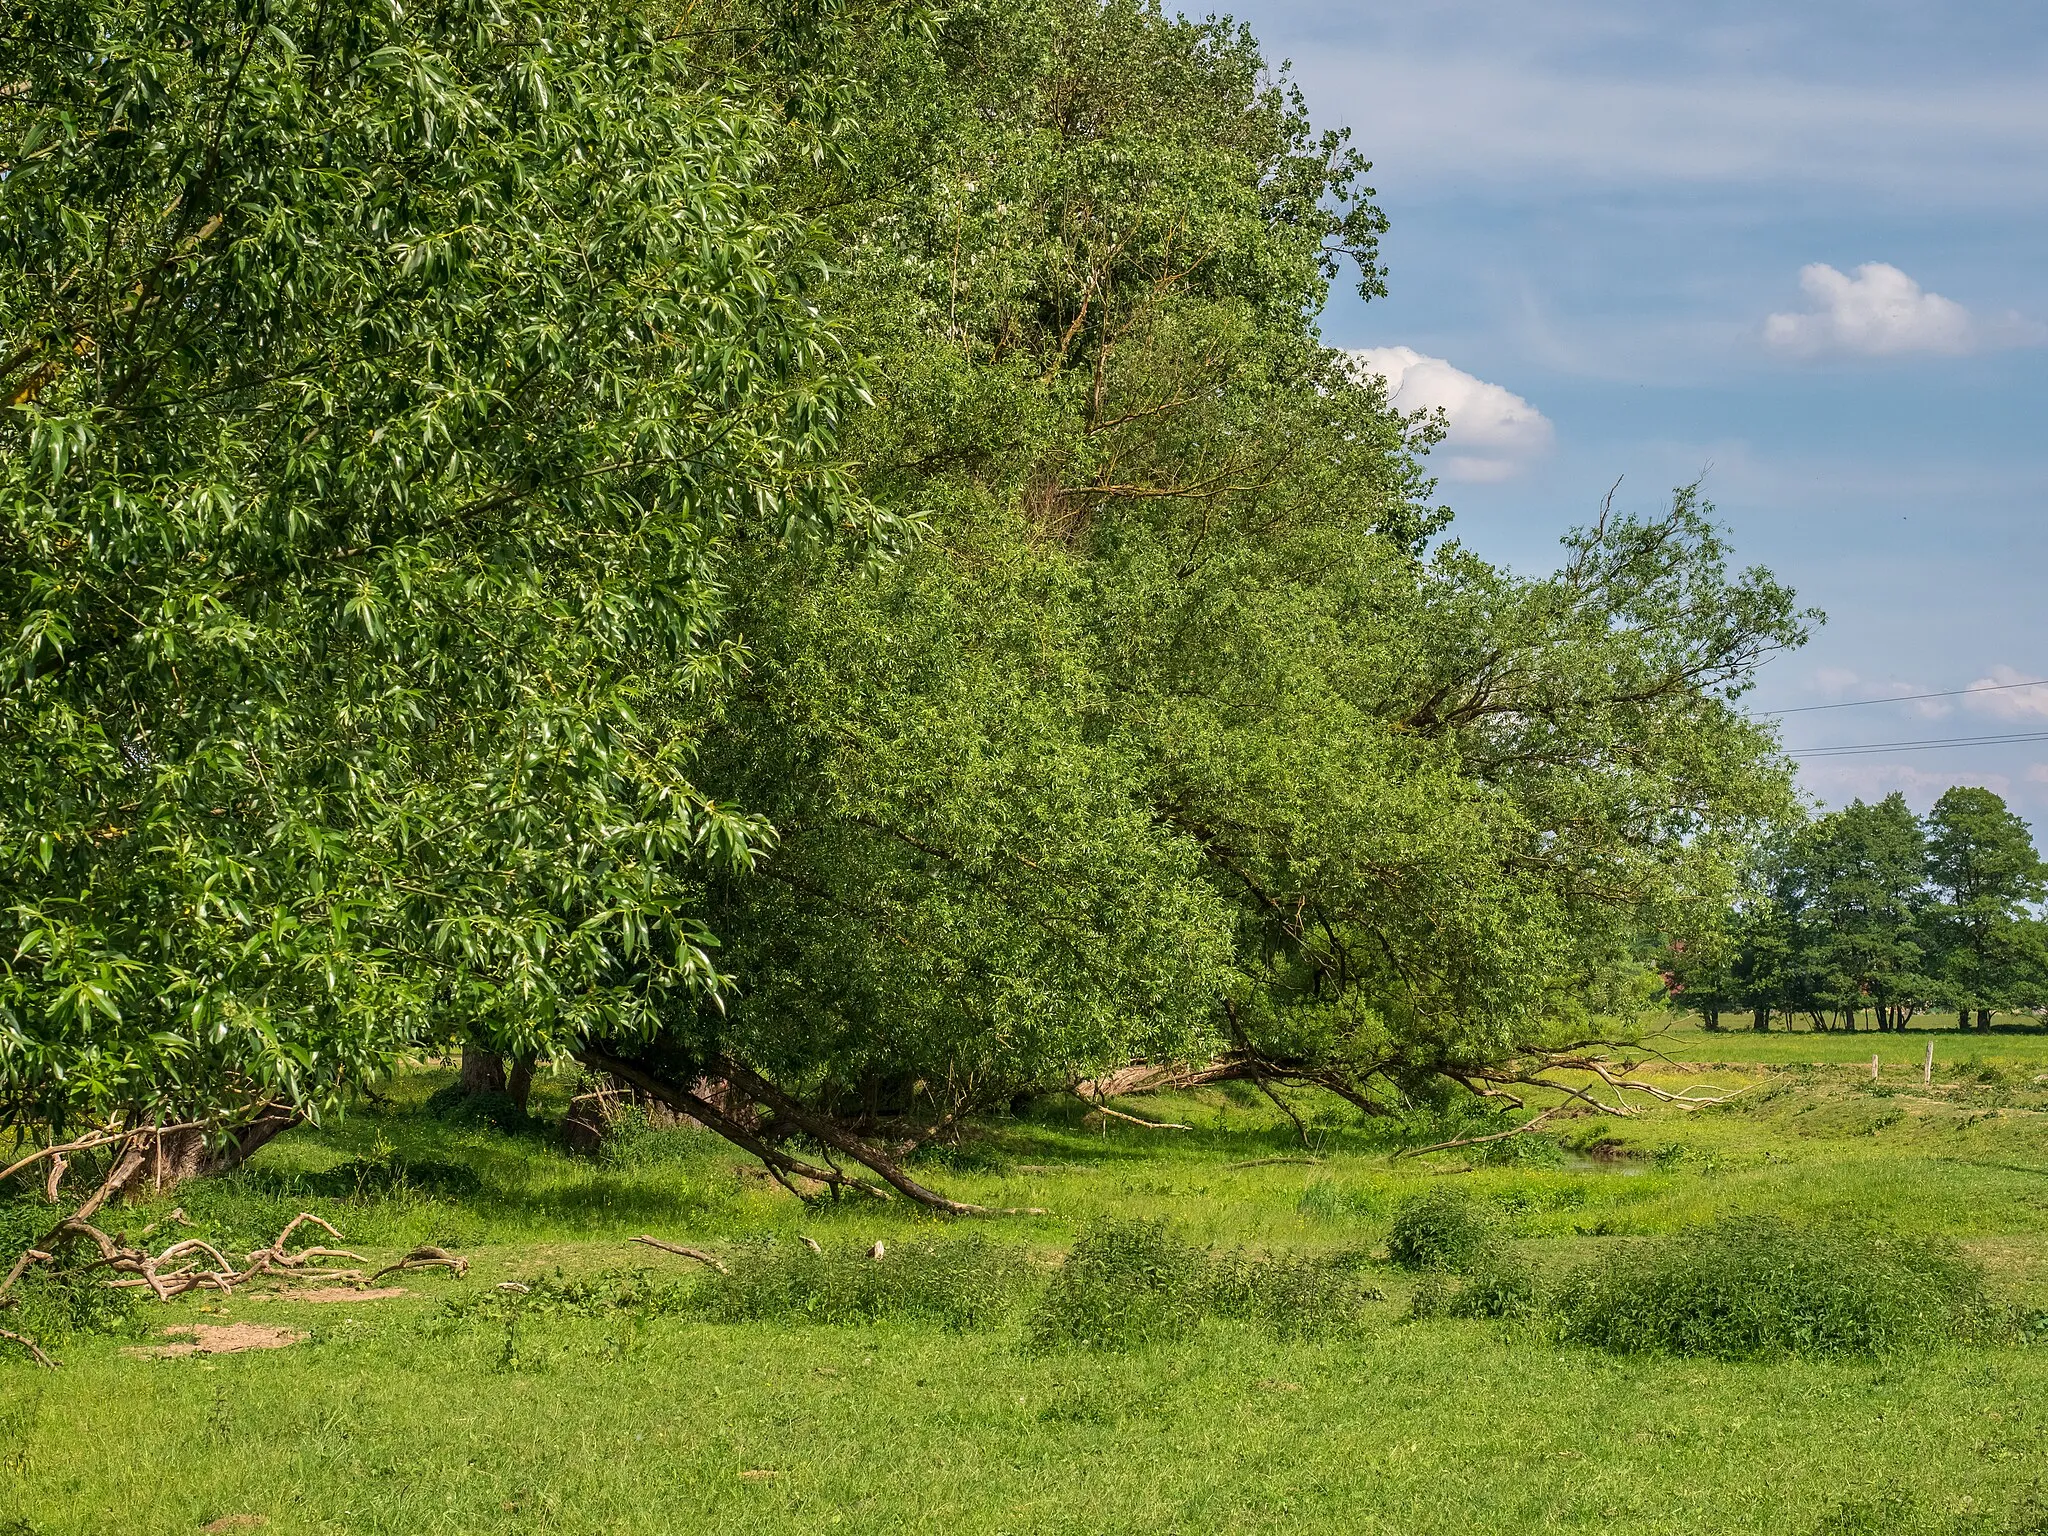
(688, 1253)
(426, 1258)
(1611, 1075)
(35, 1351)
(1117, 1114)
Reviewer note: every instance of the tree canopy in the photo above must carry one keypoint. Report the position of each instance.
(384, 391)
(821, 553)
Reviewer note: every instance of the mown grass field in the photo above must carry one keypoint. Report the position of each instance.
(411, 1415)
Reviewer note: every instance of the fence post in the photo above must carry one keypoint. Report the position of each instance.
(1927, 1071)
(1873, 1066)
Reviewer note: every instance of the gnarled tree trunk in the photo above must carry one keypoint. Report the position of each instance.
(154, 1162)
(485, 1071)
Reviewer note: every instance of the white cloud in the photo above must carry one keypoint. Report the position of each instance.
(2008, 702)
(1879, 312)
(1494, 433)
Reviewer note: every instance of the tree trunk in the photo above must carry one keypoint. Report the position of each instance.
(1963, 1019)
(1761, 1021)
(1984, 1020)
(168, 1160)
(1711, 1018)
(483, 1071)
(519, 1083)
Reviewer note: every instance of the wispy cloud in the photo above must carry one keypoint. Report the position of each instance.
(1494, 433)
(2009, 703)
(1472, 104)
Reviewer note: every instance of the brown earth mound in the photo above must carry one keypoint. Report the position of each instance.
(221, 1339)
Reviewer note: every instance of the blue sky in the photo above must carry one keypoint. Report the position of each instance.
(1800, 248)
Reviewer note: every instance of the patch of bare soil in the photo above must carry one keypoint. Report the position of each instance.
(235, 1523)
(219, 1339)
(333, 1293)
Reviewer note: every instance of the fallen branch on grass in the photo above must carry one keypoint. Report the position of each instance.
(681, 1252)
(1267, 1162)
(1622, 1086)
(35, 1351)
(1150, 1125)
(425, 1258)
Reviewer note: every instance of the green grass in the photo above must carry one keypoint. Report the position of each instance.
(412, 1415)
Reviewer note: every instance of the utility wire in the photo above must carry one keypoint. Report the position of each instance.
(1858, 748)
(1904, 698)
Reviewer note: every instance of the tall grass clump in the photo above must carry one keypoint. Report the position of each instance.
(963, 1283)
(1126, 1284)
(1753, 1287)
(1441, 1231)
(1466, 1269)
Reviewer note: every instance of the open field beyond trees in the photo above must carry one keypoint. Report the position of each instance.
(613, 1397)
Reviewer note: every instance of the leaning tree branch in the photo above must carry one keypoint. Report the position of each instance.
(826, 1133)
(777, 1161)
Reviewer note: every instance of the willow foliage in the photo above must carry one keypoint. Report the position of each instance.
(383, 390)
(1187, 731)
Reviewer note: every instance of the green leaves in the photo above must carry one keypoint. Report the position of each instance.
(387, 392)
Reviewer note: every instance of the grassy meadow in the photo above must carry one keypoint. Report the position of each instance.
(630, 1407)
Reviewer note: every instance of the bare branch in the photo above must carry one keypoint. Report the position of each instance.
(34, 1350)
(688, 1253)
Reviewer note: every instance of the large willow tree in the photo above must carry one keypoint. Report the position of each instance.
(1185, 734)
(383, 391)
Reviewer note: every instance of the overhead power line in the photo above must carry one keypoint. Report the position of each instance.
(1859, 748)
(1903, 698)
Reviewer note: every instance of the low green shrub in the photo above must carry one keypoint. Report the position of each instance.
(1125, 1283)
(1498, 1288)
(608, 1293)
(1443, 1230)
(1534, 1150)
(1292, 1296)
(963, 1282)
(633, 1140)
(1130, 1283)
(1753, 1286)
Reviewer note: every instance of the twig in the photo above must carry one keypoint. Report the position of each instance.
(688, 1253)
